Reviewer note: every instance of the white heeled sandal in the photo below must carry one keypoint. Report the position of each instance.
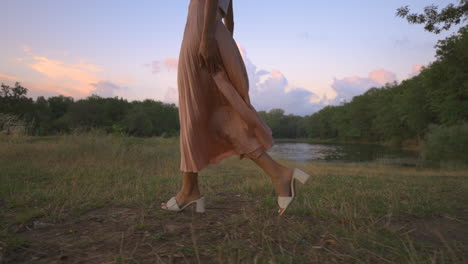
(172, 205)
(285, 201)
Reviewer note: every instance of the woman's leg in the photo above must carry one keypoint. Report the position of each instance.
(189, 190)
(280, 175)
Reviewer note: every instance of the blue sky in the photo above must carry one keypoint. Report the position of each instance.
(307, 53)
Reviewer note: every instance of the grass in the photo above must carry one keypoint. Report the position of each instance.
(95, 198)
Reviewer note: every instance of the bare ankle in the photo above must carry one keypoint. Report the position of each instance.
(189, 191)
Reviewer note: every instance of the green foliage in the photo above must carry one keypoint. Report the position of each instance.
(61, 114)
(446, 143)
(138, 122)
(284, 126)
(448, 16)
(13, 92)
(13, 100)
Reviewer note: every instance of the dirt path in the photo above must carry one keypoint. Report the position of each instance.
(127, 235)
(227, 230)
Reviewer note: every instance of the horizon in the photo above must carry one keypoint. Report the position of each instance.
(300, 64)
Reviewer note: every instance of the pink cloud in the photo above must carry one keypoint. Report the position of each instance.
(47, 88)
(76, 79)
(417, 67)
(26, 48)
(6, 77)
(275, 74)
(382, 76)
(61, 70)
(349, 87)
(415, 70)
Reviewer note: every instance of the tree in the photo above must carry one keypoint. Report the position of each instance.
(13, 100)
(138, 122)
(448, 16)
(13, 92)
(59, 105)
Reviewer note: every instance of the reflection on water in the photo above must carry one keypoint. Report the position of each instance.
(304, 152)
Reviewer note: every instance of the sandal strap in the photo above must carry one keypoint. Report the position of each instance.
(172, 204)
(283, 202)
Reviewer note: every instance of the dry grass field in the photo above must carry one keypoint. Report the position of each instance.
(94, 198)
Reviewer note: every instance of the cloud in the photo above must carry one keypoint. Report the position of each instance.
(417, 67)
(349, 87)
(267, 90)
(26, 48)
(271, 93)
(271, 89)
(46, 89)
(106, 88)
(55, 69)
(382, 76)
(35, 89)
(6, 77)
(74, 78)
(170, 64)
(415, 70)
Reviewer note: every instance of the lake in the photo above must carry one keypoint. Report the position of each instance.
(306, 152)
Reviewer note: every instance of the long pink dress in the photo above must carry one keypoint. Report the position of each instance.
(214, 109)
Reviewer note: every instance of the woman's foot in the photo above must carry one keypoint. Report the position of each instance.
(183, 198)
(189, 190)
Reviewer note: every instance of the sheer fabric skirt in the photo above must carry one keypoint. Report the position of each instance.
(215, 114)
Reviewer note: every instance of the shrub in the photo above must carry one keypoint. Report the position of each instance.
(446, 143)
(11, 124)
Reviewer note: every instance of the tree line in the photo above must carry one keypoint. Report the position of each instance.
(62, 114)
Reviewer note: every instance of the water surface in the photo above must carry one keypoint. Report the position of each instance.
(306, 152)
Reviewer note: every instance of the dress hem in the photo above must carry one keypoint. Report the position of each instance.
(224, 156)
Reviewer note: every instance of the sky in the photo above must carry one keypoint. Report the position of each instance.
(301, 55)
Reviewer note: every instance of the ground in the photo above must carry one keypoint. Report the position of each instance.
(95, 199)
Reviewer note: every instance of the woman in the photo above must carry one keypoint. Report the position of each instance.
(216, 117)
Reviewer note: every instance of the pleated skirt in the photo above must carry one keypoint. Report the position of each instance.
(216, 117)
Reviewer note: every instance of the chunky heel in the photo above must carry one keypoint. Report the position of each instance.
(200, 208)
(284, 202)
(300, 175)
